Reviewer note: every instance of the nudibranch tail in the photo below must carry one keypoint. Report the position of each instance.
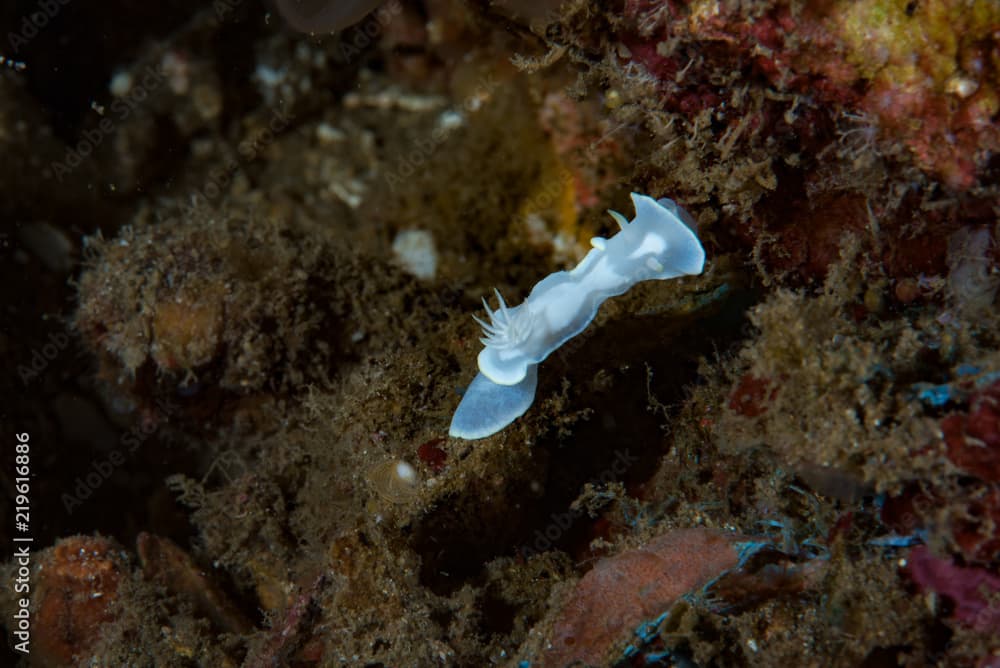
(487, 407)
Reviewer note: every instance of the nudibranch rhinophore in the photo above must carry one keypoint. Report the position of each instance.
(658, 244)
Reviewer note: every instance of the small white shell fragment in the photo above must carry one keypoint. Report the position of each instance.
(416, 253)
(328, 134)
(449, 120)
(406, 473)
(121, 84)
(395, 481)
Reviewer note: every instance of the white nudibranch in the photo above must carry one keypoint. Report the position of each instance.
(658, 244)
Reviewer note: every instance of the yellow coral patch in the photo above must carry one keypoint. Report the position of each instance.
(885, 40)
(550, 211)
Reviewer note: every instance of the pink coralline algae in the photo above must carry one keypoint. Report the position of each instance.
(971, 589)
(621, 591)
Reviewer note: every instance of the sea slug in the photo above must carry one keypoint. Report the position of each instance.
(658, 244)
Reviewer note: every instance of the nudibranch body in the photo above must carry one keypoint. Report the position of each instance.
(658, 244)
